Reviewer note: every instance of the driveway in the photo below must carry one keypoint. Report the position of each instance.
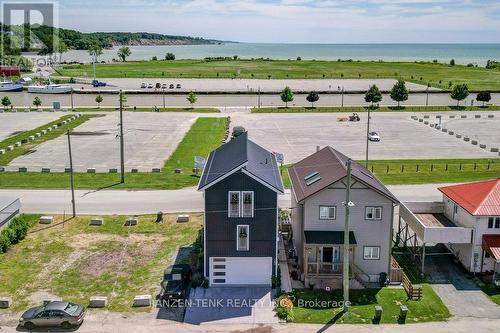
(230, 305)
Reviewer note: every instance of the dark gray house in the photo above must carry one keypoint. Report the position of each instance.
(241, 182)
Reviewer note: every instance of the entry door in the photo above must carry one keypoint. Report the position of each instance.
(336, 258)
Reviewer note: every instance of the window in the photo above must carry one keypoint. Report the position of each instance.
(494, 222)
(327, 212)
(234, 204)
(371, 252)
(373, 213)
(247, 204)
(242, 237)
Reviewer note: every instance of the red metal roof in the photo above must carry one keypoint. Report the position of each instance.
(491, 244)
(480, 198)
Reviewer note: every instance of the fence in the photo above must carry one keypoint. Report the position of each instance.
(402, 168)
(396, 274)
(413, 291)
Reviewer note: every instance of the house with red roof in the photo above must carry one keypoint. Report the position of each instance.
(466, 223)
(477, 206)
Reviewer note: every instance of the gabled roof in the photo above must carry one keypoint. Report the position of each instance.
(242, 154)
(330, 166)
(479, 198)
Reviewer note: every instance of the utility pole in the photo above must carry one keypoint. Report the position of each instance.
(345, 270)
(72, 104)
(122, 150)
(427, 97)
(342, 97)
(94, 60)
(71, 176)
(164, 103)
(367, 133)
(258, 100)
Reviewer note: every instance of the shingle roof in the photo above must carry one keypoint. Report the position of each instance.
(332, 167)
(479, 198)
(242, 153)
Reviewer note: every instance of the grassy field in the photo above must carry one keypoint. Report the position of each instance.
(74, 260)
(493, 293)
(107, 109)
(349, 109)
(205, 135)
(438, 75)
(27, 147)
(428, 308)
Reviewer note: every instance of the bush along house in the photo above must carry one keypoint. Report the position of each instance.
(318, 212)
(241, 182)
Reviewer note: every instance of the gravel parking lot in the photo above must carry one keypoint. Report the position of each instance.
(297, 135)
(150, 138)
(12, 123)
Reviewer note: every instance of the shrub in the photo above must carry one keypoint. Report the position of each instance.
(14, 233)
(197, 280)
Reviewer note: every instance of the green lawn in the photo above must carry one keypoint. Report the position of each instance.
(492, 292)
(438, 75)
(74, 260)
(349, 109)
(27, 147)
(428, 308)
(404, 172)
(205, 135)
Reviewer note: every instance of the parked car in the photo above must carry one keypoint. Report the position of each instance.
(96, 84)
(53, 314)
(373, 136)
(176, 279)
(178, 86)
(150, 86)
(143, 85)
(158, 85)
(171, 86)
(238, 130)
(164, 86)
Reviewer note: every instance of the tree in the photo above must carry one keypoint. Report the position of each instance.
(98, 100)
(123, 53)
(169, 56)
(483, 96)
(460, 92)
(191, 98)
(6, 102)
(312, 97)
(286, 95)
(95, 51)
(373, 95)
(399, 93)
(37, 102)
(452, 62)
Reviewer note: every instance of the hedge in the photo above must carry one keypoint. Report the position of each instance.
(15, 232)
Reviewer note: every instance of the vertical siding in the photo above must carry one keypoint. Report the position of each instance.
(221, 230)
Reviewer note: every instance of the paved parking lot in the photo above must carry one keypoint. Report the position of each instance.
(11, 123)
(297, 135)
(150, 138)
(484, 130)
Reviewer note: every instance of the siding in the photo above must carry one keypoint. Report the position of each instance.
(221, 230)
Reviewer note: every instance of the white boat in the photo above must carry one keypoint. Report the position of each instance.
(50, 89)
(11, 86)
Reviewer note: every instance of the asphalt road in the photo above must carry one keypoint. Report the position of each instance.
(107, 202)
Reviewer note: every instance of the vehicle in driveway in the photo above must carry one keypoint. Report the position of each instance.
(54, 314)
(176, 279)
(373, 136)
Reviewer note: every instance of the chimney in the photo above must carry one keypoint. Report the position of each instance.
(317, 148)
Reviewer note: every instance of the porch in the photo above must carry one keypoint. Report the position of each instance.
(491, 246)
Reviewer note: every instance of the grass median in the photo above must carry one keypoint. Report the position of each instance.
(438, 75)
(27, 147)
(349, 109)
(142, 109)
(205, 135)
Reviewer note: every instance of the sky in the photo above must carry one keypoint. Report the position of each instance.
(294, 21)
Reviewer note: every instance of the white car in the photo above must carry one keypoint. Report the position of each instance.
(143, 85)
(373, 136)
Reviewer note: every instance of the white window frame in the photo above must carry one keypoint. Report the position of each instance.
(328, 217)
(247, 227)
(229, 203)
(371, 254)
(374, 208)
(242, 198)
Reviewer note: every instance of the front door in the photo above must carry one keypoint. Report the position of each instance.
(330, 258)
(336, 258)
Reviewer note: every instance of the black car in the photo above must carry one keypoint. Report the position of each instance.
(176, 279)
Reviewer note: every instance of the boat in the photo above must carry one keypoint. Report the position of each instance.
(50, 89)
(10, 86)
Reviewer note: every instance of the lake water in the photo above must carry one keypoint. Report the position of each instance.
(462, 53)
